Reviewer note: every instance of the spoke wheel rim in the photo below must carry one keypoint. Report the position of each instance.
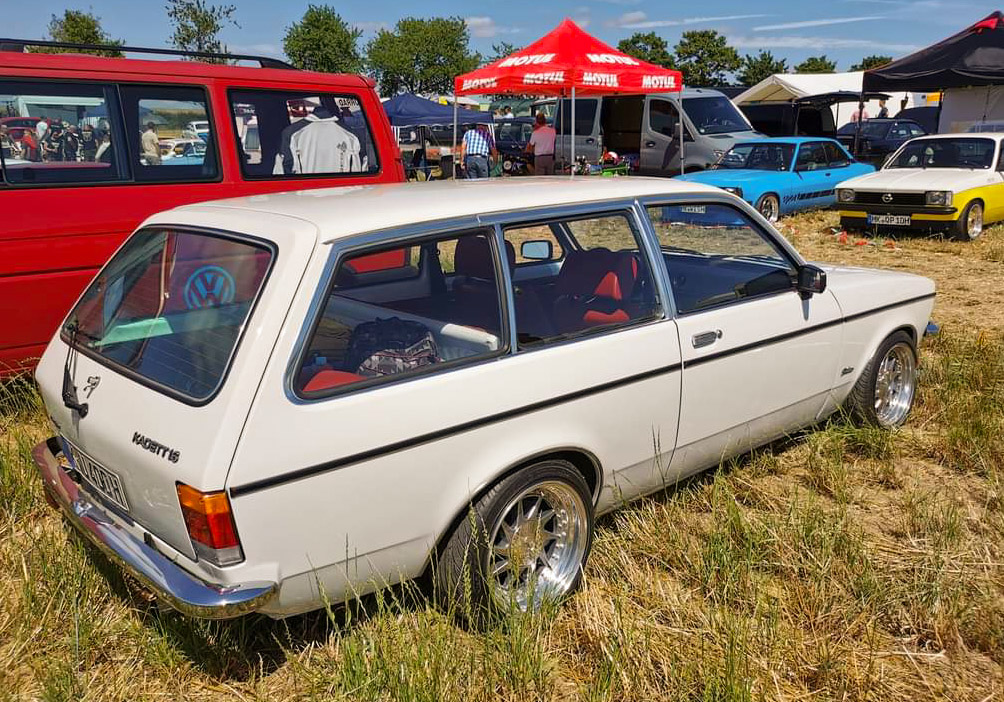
(895, 384)
(537, 546)
(974, 222)
(769, 208)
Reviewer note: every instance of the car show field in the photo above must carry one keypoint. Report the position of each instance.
(840, 563)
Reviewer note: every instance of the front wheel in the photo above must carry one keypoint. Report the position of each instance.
(883, 395)
(770, 207)
(524, 542)
(970, 224)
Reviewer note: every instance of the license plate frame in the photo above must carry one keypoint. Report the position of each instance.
(891, 220)
(101, 480)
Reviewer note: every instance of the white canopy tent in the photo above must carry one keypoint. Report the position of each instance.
(784, 87)
(963, 108)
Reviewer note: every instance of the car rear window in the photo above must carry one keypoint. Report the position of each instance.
(170, 308)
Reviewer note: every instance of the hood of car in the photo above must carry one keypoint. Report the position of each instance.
(922, 179)
(728, 177)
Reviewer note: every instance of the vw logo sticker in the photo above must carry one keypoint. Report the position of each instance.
(209, 286)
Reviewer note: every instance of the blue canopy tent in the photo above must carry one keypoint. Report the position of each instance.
(413, 111)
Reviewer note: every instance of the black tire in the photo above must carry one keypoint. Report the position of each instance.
(775, 201)
(962, 231)
(460, 570)
(860, 404)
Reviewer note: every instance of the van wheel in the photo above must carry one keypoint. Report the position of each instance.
(770, 207)
(970, 224)
(883, 395)
(523, 543)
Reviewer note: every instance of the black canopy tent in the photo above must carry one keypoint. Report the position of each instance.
(973, 57)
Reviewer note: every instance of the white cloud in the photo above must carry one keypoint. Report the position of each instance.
(639, 20)
(814, 23)
(817, 43)
(486, 27)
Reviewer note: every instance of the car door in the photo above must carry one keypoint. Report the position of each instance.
(814, 179)
(660, 143)
(759, 359)
(841, 167)
(587, 129)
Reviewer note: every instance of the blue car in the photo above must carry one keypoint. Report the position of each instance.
(783, 175)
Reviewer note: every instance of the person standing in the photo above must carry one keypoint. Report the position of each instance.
(150, 145)
(71, 144)
(883, 112)
(41, 127)
(52, 143)
(542, 146)
(507, 113)
(475, 149)
(88, 143)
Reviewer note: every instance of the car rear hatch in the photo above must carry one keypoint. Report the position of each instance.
(151, 377)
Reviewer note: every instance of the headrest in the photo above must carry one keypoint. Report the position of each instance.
(473, 257)
(598, 272)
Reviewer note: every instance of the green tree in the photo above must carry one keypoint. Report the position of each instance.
(705, 58)
(762, 65)
(421, 55)
(501, 50)
(323, 41)
(197, 24)
(816, 64)
(79, 27)
(649, 47)
(869, 62)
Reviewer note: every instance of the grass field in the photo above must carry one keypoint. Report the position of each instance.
(841, 564)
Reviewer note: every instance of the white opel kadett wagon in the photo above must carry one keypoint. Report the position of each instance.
(265, 402)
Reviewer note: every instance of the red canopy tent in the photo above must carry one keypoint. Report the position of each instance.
(568, 61)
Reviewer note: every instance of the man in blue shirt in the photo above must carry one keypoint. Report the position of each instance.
(475, 149)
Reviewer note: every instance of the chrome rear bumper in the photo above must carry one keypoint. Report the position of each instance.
(181, 590)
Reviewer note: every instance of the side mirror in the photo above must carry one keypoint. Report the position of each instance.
(811, 280)
(536, 250)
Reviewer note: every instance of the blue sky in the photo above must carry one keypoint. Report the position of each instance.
(844, 30)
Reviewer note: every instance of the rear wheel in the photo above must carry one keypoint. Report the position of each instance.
(970, 224)
(523, 543)
(883, 395)
(769, 206)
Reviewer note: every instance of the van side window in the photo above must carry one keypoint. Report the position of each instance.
(716, 255)
(447, 314)
(60, 133)
(170, 134)
(603, 281)
(292, 134)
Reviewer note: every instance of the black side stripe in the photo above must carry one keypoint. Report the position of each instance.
(310, 471)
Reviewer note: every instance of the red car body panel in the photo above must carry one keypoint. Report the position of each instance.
(55, 237)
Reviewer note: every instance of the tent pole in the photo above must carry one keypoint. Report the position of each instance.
(857, 128)
(573, 130)
(453, 151)
(941, 103)
(679, 115)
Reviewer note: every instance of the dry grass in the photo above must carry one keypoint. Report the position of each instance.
(842, 564)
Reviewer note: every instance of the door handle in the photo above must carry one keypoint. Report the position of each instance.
(706, 338)
(590, 140)
(649, 144)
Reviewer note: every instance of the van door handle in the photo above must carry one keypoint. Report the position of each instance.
(590, 140)
(706, 338)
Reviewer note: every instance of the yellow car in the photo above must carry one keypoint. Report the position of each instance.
(947, 183)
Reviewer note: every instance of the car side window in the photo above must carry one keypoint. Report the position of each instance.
(663, 118)
(916, 131)
(375, 329)
(835, 156)
(604, 281)
(162, 123)
(715, 255)
(811, 157)
(283, 134)
(1000, 159)
(66, 133)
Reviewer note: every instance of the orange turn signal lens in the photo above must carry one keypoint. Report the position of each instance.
(208, 517)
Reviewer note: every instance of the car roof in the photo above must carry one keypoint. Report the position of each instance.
(963, 135)
(344, 211)
(784, 140)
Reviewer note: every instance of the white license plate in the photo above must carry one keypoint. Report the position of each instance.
(103, 481)
(895, 220)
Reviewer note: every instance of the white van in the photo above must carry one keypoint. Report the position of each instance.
(264, 402)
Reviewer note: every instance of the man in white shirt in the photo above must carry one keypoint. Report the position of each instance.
(41, 127)
(150, 144)
(542, 146)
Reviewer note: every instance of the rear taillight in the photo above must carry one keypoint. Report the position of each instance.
(210, 525)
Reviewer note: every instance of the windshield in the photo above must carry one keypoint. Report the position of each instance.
(715, 115)
(758, 157)
(516, 131)
(946, 153)
(170, 308)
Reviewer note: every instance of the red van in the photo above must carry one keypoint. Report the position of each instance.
(92, 146)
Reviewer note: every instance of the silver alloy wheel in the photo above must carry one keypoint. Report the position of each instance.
(974, 221)
(537, 546)
(770, 208)
(895, 384)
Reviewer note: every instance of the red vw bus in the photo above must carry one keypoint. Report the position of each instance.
(92, 146)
